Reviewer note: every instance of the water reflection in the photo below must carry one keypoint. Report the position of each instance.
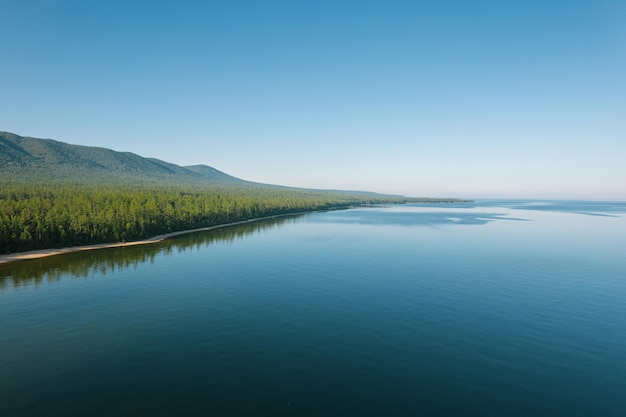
(103, 261)
(417, 216)
(589, 208)
(87, 263)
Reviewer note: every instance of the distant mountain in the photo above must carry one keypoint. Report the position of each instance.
(212, 174)
(42, 160)
(31, 158)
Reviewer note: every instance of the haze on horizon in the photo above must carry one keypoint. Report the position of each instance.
(466, 99)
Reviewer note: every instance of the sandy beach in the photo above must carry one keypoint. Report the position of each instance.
(42, 253)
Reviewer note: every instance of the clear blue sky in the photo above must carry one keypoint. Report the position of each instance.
(423, 98)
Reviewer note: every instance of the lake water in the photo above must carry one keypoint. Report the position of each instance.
(486, 309)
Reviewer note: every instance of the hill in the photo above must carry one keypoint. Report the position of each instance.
(28, 158)
(47, 161)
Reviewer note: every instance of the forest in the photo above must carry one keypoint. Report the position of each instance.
(52, 215)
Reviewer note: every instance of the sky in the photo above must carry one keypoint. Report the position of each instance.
(475, 99)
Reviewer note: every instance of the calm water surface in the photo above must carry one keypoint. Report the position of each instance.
(486, 309)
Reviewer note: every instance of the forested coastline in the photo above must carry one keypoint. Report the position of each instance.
(54, 215)
(54, 195)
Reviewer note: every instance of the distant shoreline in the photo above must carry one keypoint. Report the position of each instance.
(44, 253)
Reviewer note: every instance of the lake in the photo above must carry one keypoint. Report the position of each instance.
(510, 308)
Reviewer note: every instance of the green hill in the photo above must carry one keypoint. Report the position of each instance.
(211, 174)
(28, 158)
(46, 161)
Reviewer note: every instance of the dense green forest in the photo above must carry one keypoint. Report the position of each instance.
(36, 216)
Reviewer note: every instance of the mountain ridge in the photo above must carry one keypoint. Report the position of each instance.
(28, 158)
(24, 156)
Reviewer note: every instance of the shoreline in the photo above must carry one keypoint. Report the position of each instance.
(44, 253)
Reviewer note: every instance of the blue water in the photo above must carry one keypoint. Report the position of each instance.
(489, 309)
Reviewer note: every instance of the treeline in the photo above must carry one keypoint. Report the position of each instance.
(36, 216)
